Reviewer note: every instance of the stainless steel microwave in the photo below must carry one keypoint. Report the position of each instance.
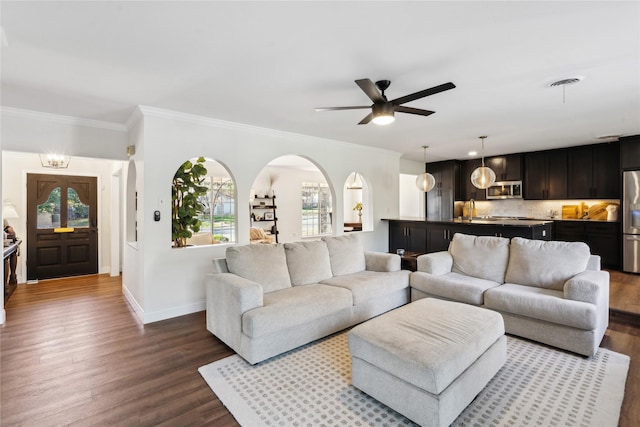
(505, 190)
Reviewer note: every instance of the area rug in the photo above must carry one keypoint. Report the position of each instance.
(311, 386)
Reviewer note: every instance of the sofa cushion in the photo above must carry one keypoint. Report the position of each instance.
(265, 264)
(452, 286)
(294, 306)
(371, 284)
(484, 257)
(346, 254)
(308, 262)
(545, 264)
(542, 304)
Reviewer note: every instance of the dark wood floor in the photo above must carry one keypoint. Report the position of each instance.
(73, 353)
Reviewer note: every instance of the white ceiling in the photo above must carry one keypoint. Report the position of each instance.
(270, 63)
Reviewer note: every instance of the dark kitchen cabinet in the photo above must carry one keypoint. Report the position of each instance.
(506, 168)
(545, 175)
(603, 238)
(630, 152)
(440, 200)
(438, 237)
(408, 235)
(468, 191)
(594, 172)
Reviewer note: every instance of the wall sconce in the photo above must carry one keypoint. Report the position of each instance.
(55, 161)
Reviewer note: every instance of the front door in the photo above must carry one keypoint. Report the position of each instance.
(62, 226)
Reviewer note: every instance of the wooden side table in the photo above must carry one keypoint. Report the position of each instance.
(10, 257)
(409, 261)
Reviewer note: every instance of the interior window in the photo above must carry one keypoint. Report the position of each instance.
(219, 214)
(316, 209)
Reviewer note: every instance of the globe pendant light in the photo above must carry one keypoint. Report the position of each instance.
(425, 182)
(483, 177)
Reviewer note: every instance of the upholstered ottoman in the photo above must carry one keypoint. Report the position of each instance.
(429, 359)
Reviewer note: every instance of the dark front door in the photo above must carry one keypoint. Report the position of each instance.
(62, 226)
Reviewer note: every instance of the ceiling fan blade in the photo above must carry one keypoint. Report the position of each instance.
(418, 111)
(341, 108)
(366, 119)
(423, 93)
(371, 90)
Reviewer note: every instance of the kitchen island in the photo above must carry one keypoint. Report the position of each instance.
(427, 235)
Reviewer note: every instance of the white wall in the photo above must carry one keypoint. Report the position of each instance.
(16, 166)
(173, 279)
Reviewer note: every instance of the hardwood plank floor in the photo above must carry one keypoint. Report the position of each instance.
(74, 353)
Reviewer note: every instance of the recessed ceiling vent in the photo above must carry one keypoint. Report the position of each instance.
(565, 82)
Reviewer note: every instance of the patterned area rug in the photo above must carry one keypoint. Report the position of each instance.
(311, 386)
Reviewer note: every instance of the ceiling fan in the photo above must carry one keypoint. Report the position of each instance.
(382, 110)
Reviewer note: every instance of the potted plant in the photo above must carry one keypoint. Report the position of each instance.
(358, 207)
(187, 188)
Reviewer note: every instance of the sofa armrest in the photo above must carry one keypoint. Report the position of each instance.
(437, 263)
(589, 286)
(228, 297)
(380, 261)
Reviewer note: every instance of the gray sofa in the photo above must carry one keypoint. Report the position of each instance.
(266, 299)
(548, 291)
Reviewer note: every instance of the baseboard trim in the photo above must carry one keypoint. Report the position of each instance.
(172, 312)
(137, 309)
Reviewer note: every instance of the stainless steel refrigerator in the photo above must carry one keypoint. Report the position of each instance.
(631, 222)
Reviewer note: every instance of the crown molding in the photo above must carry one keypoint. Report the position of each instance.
(61, 119)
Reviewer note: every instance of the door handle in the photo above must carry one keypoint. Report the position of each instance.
(64, 230)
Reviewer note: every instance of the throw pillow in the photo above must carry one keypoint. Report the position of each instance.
(346, 254)
(484, 257)
(308, 262)
(264, 264)
(545, 264)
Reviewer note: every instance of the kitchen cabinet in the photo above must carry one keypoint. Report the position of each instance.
(602, 237)
(630, 152)
(506, 168)
(468, 191)
(545, 175)
(439, 234)
(594, 172)
(408, 235)
(440, 200)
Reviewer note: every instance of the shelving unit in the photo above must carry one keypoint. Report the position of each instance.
(263, 215)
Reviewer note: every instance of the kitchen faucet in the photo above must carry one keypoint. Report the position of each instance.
(471, 209)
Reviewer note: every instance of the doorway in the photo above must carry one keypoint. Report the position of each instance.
(62, 226)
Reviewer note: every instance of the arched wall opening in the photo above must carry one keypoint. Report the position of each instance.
(303, 197)
(215, 213)
(358, 203)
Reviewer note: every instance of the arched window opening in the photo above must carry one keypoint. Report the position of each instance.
(203, 204)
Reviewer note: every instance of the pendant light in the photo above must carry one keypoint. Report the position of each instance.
(483, 177)
(356, 182)
(425, 182)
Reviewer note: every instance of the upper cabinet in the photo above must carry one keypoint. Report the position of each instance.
(545, 175)
(594, 172)
(468, 191)
(506, 168)
(630, 152)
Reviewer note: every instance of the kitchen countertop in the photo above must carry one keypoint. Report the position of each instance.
(478, 221)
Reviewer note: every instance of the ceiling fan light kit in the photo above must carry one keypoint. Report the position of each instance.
(425, 181)
(382, 110)
(483, 177)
